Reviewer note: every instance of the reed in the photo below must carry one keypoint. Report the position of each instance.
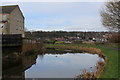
(83, 49)
(95, 74)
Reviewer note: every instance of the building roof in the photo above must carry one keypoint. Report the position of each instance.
(8, 9)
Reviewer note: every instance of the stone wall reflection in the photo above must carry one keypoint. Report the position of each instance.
(15, 62)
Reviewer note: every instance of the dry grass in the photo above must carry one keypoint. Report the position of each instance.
(94, 74)
(84, 49)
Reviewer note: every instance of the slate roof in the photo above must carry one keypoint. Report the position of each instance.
(8, 9)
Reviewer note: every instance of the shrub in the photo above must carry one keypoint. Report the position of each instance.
(114, 38)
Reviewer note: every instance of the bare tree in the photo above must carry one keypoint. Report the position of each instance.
(110, 15)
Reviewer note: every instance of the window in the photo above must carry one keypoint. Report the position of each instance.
(1, 25)
(16, 27)
(4, 17)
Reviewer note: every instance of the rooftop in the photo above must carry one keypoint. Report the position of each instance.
(8, 9)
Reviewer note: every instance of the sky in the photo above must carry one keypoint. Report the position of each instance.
(66, 16)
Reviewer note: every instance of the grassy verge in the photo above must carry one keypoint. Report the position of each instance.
(111, 68)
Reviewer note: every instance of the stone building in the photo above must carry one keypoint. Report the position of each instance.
(11, 20)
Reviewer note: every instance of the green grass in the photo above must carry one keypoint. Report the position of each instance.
(111, 68)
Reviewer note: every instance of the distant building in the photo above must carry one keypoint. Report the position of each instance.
(94, 36)
(11, 20)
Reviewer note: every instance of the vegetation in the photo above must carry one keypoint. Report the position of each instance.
(60, 34)
(111, 68)
(114, 38)
(48, 34)
(94, 74)
(111, 15)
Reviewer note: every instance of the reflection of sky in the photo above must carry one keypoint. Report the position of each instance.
(62, 66)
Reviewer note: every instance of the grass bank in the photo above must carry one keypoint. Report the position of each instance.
(111, 68)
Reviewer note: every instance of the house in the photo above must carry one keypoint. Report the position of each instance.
(11, 20)
(94, 36)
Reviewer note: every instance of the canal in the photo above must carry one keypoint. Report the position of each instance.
(50, 64)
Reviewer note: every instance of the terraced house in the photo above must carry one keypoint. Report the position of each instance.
(11, 20)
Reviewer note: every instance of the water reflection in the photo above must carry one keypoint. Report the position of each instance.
(52, 64)
(62, 66)
(14, 62)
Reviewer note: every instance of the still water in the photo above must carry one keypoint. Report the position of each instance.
(46, 65)
(68, 65)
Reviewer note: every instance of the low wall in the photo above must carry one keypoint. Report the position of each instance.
(11, 39)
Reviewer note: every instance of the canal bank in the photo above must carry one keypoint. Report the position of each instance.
(62, 64)
(41, 57)
(111, 68)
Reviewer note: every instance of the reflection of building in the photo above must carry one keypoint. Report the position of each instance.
(28, 61)
(14, 65)
(14, 72)
(11, 20)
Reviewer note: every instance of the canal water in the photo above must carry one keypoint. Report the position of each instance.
(68, 65)
(48, 65)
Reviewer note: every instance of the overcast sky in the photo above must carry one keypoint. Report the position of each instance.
(67, 16)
